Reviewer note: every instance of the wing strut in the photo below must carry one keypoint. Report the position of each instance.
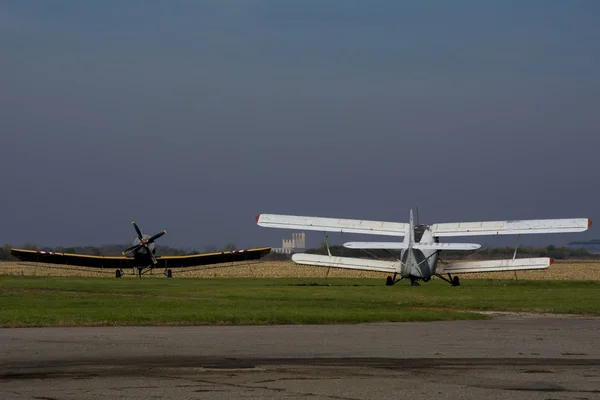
(327, 244)
(517, 247)
(515, 254)
(328, 252)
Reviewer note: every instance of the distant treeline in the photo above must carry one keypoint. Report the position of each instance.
(556, 252)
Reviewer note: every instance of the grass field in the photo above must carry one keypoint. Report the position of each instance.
(81, 301)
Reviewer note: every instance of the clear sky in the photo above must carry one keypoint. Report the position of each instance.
(194, 116)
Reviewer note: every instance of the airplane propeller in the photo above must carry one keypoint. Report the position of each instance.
(137, 230)
(143, 242)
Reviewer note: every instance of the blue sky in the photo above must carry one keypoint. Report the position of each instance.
(194, 116)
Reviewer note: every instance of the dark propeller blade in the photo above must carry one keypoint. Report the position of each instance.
(151, 256)
(153, 238)
(133, 248)
(139, 233)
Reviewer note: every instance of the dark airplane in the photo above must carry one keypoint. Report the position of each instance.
(141, 256)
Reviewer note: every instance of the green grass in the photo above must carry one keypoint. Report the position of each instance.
(75, 301)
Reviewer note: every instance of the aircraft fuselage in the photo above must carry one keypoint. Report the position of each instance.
(419, 264)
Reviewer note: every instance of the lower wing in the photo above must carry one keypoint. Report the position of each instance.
(517, 264)
(347, 262)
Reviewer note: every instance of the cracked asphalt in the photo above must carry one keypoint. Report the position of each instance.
(513, 356)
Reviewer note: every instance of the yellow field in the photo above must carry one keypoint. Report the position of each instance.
(560, 270)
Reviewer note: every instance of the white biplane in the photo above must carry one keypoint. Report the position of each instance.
(420, 246)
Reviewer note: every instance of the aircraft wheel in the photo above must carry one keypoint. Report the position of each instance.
(169, 273)
(455, 281)
(118, 273)
(389, 281)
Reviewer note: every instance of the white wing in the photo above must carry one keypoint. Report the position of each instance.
(511, 227)
(332, 224)
(420, 246)
(347, 262)
(495, 265)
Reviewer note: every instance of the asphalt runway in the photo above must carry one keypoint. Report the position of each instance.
(512, 356)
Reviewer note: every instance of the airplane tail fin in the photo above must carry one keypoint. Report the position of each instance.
(411, 233)
(409, 237)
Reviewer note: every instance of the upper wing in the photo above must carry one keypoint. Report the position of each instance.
(495, 265)
(511, 227)
(119, 262)
(333, 224)
(420, 246)
(83, 260)
(347, 262)
(211, 258)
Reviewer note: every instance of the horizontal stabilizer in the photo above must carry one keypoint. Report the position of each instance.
(420, 246)
(495, 265)
(332, 224)
(347, 262)
(511, 227)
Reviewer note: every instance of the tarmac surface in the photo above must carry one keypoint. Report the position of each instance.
(515, 356)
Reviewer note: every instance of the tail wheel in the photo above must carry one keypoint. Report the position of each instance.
(169, 273)
(118, 273)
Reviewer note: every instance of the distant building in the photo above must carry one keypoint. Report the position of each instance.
(289, 246)
(593, 246)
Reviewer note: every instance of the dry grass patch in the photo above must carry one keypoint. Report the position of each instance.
(560, 270)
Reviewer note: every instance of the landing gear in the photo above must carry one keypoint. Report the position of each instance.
(142, 270)
(118, 273)
(454, 281)
(390, 281)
